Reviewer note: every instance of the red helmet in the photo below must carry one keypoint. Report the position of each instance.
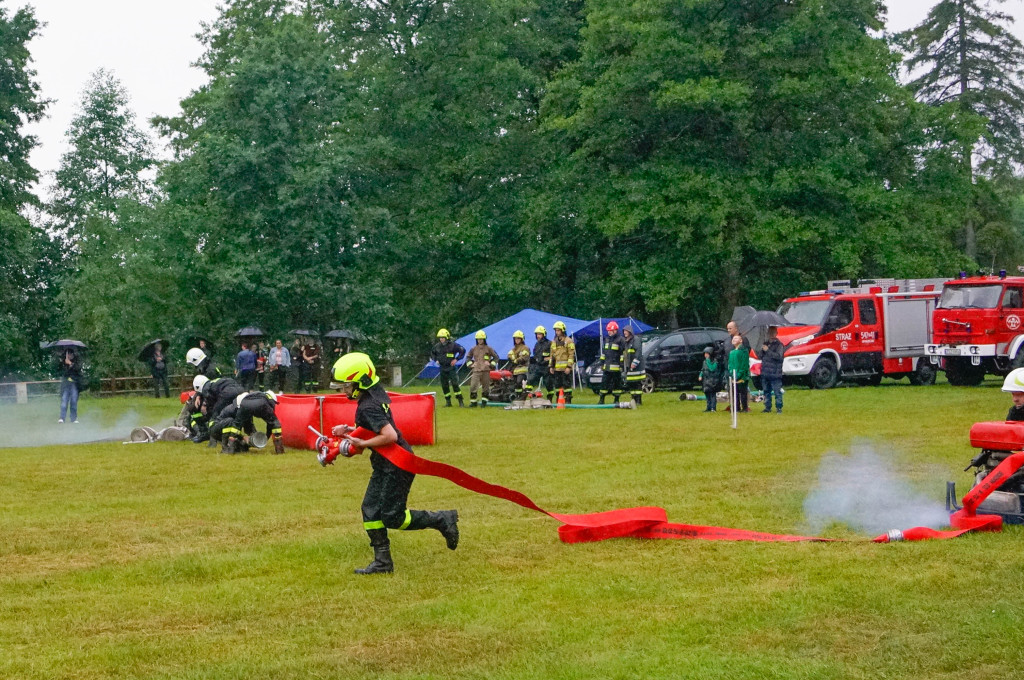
(612, 327)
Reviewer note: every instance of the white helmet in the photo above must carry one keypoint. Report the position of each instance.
(271, 396)
(239, 398)
(1014, 381)
(195, 356)
(198, 382)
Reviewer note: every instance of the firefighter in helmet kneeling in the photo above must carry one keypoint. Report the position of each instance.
(384, 504)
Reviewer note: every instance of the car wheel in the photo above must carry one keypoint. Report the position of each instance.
(925, 373)
(648, 384)
(962, 373)
(824, 375)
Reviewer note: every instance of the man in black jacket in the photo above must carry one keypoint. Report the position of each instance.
(447, 353)
(538, 374)
(772, 356)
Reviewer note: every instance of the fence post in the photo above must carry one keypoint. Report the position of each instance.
(21, 393)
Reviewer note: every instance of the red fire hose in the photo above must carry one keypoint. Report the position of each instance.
(652, 522)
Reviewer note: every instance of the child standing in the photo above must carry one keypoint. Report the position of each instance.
(711, 379)
(739, 372)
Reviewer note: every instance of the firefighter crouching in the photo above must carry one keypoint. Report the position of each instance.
(563, 359)
(217, 395)
(612, 353)
(251, 405)
(519, 355)
(447, 353)
(481, 360)
(384, 504)
(636, 367)
(538, 374)
(193, 415)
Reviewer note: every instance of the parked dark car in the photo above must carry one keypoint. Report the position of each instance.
(673, 358)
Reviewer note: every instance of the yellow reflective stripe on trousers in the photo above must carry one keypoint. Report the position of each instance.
(373, 525)
(408, 520)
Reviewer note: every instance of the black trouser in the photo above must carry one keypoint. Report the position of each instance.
(247, 378)
(611, 383)
(741, 396)
(254, 406)
(635, 384)
(519, 380)
(560, 380)
(539, 377)
(160, 378)
(307, 378)
(260, 379)
(450, 383)
(279, 376)
(386, 495)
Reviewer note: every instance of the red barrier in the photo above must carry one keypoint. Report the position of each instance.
(413, 414)
(296, 413)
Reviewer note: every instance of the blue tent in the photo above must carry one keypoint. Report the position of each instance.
(499, 335)
(595, 329)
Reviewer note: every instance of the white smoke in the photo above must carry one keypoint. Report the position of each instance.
(864, 492)
(35, 424)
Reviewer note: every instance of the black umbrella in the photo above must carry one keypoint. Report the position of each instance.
(760, 319)
(340, 334)
(149, 348)
(58, 344)
(249, 332)
(303, 331)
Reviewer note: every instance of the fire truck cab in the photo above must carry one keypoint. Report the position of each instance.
(978, 327)
(860, 333)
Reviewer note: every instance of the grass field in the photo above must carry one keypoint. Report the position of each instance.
(168, 561)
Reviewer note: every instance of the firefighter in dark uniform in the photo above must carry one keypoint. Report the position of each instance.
(539, 363)
(519, 355)
(447, 353)
(251, 405)
(384, 504)
(612, 353)
(194, 415)
(563, 360)
(203, 363)
(636, 367)
(217, 395)
(224, 422)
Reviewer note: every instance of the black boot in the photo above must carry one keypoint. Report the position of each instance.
(278, 444)
(568, 399)
(447, 402)
(447, 522)
(462, 404)
(381, 563)
(230, 445)
(601, 400)
(213, 444)
(638, 398)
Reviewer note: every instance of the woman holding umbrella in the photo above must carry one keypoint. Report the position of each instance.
(69, 368)
(153, 354)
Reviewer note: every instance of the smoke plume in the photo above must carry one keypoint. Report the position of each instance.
(864, 492)
(35, 424)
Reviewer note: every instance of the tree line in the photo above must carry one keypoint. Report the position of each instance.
(395, 167)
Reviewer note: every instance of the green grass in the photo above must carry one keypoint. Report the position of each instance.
(168, 561)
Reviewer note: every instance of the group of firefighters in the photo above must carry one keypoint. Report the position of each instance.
(221, 410)
(548, 369)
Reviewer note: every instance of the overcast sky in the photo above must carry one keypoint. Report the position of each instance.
(150, 45)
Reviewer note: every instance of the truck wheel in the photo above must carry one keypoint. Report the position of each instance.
(824, 375)
(647, 385)
(962, 373)
(925, 373)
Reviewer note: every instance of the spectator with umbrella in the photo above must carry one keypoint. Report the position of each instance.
(245, 367)
(69, 368)
(153, 354)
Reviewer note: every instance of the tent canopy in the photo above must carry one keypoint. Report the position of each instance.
(499, 334)
(595, 329)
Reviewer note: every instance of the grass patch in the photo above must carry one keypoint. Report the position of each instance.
(168, 561)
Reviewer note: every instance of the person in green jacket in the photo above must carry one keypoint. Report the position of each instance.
(739, 372)
(712, 378)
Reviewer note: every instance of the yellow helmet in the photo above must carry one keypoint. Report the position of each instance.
(443, 333)
(519, 334)
(480, 335)
(559, 326)
(541, 330)
(356, 368)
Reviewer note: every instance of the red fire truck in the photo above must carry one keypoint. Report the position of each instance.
(978, 327)
(860, 333)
